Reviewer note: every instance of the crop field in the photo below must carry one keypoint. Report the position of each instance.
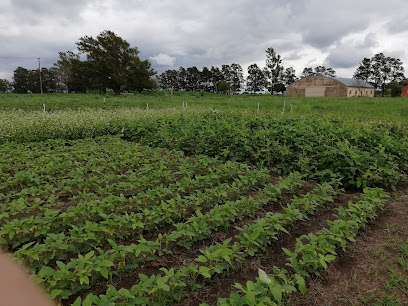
(189, 200)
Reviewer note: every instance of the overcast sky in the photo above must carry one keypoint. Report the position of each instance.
(174, 33)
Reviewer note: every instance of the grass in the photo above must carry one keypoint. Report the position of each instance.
(359, 108)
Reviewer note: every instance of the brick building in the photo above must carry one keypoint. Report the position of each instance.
(321, 86)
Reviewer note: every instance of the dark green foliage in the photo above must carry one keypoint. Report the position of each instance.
(223, 87)
(5, 85)
(324, 149)
(394, 88)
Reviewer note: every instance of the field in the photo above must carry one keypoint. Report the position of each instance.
(203, 199)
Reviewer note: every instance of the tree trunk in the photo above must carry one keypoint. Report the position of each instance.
(116, 90)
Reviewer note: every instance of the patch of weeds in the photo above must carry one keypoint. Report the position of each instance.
(390, 228)
(403, 256)
(403, 250)
(387, 300)
(368, 300)
(396, 281)
(379, 254)
(403, 263)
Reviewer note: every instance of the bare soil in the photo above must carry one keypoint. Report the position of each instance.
(359, 276)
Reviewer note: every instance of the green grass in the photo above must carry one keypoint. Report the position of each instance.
(359, 108)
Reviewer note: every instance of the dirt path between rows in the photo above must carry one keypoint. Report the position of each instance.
(361, 275)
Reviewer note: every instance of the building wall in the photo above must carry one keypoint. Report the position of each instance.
(333, 87)
(360, 92)
(404, 91)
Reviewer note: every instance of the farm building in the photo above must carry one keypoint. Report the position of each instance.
(405, 91)
(321, 86)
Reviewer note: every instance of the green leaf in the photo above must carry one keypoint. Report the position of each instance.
(126, 293)
(84, 279)
(281, 228)
(202, 259)
(301, 283)
(88, 300)
(276, 292)
(61, 265)
(55, 293)
(263, 277)
(204, 271)
(250, 297)
(254, 235)
(27, 245)
(77, 302)
(287, 252)
(107, 263)
(89, 255)
(46, 272)
(105, 273)
(329, 258)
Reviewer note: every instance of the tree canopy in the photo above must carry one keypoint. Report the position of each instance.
(273, 71)
(208, 79)
(318, 71)
(114, 63)
(380, 70)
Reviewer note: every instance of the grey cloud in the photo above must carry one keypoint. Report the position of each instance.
(349, 53)
(398, 25)
(206, 33)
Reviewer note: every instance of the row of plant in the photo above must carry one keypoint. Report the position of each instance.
(22, 126)
(216, 259)
(360, 154)
(306, 260)
(124, 257)
(311, 255)
(84, 238)
(101, 218)
(61, 171)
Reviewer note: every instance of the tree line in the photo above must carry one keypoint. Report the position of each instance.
(273, 78)
(383, 72)
(112, 63)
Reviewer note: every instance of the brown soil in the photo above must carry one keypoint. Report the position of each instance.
(182, 257)
(359, 275)
(222, 285)
(356, 277)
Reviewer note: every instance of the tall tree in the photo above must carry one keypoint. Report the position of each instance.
(66, 65)
(273, 70)
(206, 80)
(193, 79)
(364, 70)
(216, 77)
(380, 70)
(223, 87)
(318, 71)
(20, 80)
(112, 59)
(237, 77)
(140, 75)
(397, 70)
(226, 73)
(168, 80)
(307, 72)
(182, 78)
(256, 80)
(289, 76)
(5, 85)
(323, 71)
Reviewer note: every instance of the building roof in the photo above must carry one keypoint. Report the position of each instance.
(345, 81)
(353, 82)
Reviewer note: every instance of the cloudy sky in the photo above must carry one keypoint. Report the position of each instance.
(174, 33)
